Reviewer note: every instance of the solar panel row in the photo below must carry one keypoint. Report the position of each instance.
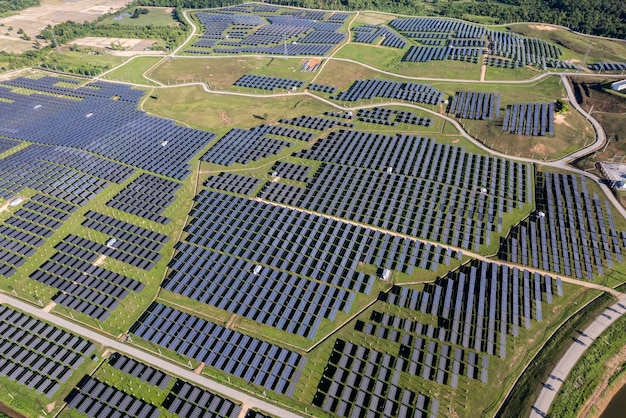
(233, 183)
(96, 399)
(253, 360)
(37, 355)
(573, 233)
(409, 91)
(479, 304)
(359, 381)
(28, 228)
(101, 118)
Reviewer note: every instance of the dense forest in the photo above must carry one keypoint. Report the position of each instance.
(14, 5)
(595, 17)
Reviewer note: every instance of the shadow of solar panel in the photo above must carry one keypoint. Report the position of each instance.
(354, 383)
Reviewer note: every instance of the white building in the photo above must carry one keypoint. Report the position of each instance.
(619, 85)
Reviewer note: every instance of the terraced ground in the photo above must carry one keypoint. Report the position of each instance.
(323, 214)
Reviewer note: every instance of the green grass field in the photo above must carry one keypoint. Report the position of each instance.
(156, 16)
(133, 71)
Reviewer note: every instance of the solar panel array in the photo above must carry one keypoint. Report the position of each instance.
(455, 39)
(576, 236)
(565, 65)
(6, 144)
(96, 399)
(182, 398)
(129, 236)
(433, 190)
(253, 360)
(90, 251)
(332, 257)
(315, 122)
(475, 105)
(68, 174)
(147, 196)
(322, 88)
(227, 31)
(375, 87)
(360, 381)
(370, 34)
(284, 131)
(523, 51)
(529, 119)
(139, 370)
(608, 66)
(291, 171)
(266, 295)
(37, 355)
(234, 183)
(265, 82)
(101, 118)
(390, 117)
(242, 147)
(187, 400)
(500, 62)
(432, 53)
(27, 229)
(422, 351)
(89, 289)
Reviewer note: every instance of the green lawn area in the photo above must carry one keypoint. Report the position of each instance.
(220, 112)
(377, 56)
(219, 72)
(133, 71)
(82, 63)
(156, 16)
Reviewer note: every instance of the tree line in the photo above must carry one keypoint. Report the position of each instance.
(15, 5)
(594, 17)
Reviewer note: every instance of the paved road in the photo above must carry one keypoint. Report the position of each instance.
(553, 383)
(187, 374)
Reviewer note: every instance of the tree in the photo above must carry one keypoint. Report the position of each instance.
(136, 14)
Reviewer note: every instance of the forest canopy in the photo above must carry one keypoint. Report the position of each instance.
(594, 17)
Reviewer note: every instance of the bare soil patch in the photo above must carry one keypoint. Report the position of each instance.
(100, 260)
(10, 412)
(127, 44)
(225, 118)
(560, 120)
(547, 28)
(52, 12)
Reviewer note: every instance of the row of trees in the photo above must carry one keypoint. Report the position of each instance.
(15, 5)
(68, 31)
(595, 17)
